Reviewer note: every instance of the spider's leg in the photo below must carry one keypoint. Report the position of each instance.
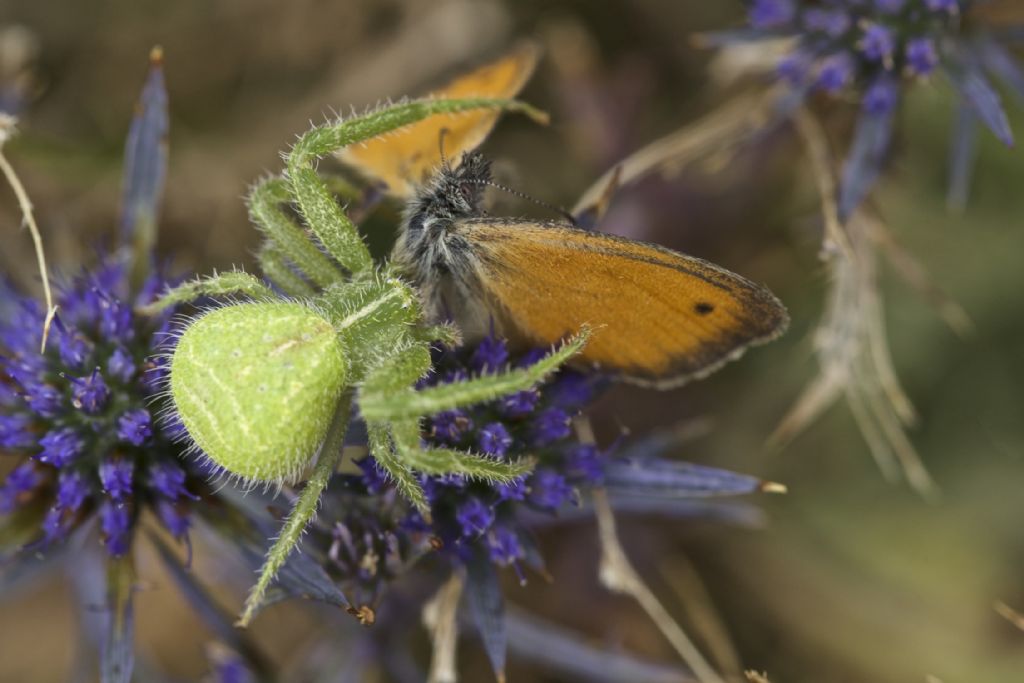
(391, 384)
(383, 451)
(318, 207)
(439, 461)
(407, 404)
(265, 201)
(446, 334)
(396, 374)
(278, 269)
(234, 282)
(304, 508)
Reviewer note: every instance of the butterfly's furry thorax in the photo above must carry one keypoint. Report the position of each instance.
(439, 260)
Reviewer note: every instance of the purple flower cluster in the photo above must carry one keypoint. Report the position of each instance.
(868, 43)
(470, 516)
(869, 49)
(79, 418)
(365, 544)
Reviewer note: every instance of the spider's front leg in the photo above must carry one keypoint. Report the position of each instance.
(319, 208)
(399, 403)
(217, 285)
(266, 202)
(396, 446)
(282, 272)
(392, 409)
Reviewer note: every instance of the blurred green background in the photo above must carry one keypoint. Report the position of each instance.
(851, 578)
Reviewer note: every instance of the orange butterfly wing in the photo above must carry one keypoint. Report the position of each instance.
(403, 160)
(659, 317)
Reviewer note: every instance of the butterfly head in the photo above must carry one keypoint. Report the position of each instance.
(456, 192)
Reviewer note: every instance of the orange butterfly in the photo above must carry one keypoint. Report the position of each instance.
(660, 318)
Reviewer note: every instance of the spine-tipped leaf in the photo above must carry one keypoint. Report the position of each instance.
(657, 477)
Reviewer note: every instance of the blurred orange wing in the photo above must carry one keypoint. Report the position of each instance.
(659, 317)
(404, 159)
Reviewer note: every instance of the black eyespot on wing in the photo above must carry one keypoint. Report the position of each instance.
(703, 308)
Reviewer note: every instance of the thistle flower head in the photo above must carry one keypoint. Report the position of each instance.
(369, 534)
(870, 51)
(850, 43)
(79, 418)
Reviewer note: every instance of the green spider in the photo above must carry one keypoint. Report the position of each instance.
(266, 385)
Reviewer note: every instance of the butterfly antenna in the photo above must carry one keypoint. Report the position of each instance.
(522, 195)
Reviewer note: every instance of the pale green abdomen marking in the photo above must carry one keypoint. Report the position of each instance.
(256, 386)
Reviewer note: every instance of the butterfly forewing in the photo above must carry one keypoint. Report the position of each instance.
(659, 317)
(404, 159)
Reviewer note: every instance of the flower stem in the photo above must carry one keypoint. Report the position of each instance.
(618, 575)
(25, 204)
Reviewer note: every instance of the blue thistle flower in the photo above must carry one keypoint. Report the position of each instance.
(922, 56)
(549, 489)
(878, 43)
(504, 546)
(474, 516)
(518, 405)
(494, 439)
(77, 418)
(870, 50)
(79, 415)
(228, 666)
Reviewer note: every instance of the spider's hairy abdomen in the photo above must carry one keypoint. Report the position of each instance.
(258, 364)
